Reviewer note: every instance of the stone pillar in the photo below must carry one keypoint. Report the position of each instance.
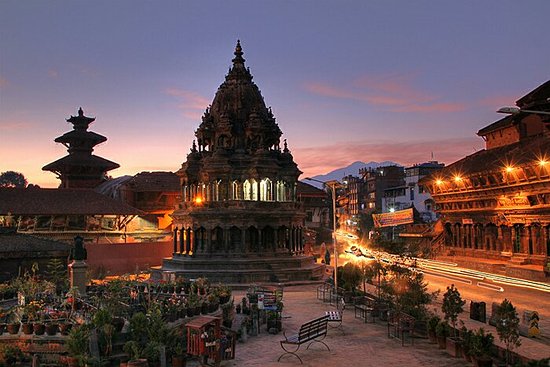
(187, 241)
(182, 248)
(77, 275)
(290, 239)
(244, 247)
(275, 239)
(175, 241)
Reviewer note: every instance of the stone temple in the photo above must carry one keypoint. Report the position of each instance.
(238, 220)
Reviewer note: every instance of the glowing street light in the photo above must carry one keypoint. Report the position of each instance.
(332, 184)
(510, 110)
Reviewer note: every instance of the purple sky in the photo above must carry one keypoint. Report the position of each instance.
(347, 80)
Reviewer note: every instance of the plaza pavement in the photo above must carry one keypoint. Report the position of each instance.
(362, 345)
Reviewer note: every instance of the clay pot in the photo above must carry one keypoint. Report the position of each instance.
(27, 328)
(13, 328)
(39, 328)
(51, 329)
(65, 328)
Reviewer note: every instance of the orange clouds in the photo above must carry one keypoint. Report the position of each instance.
(394, 94)
(192, 104)
(313, 160)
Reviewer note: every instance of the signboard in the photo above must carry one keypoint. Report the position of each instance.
(393, 219)
(467, 221)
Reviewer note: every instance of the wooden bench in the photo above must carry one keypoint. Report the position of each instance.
(335, 317)
(400, 323)
(313, 331)
(365, 306)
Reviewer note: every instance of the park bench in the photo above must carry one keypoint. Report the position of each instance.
(335, 317)
(399, 324)
(313, 331)
(365, 307)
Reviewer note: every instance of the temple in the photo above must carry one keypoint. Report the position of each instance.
(239, 219)
(495, 203)
(80, 168)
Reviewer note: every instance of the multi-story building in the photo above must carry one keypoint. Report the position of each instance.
(412, 193)
(495, 203)
(376, 180)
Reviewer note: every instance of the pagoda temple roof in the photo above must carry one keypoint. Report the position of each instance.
(37, 201)
(74, 160)
(500, 124)
(81, 135)
(523, 152)
(13, 245)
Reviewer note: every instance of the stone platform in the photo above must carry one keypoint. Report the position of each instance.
(273, 269)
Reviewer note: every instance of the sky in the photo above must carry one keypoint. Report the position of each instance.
(349, 80)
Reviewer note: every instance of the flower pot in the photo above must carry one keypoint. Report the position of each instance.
(2, 328)
(179, 361)
(39, 328)
(454, 347)
(482, 361)
(137, 363)
(13, 328)
(51, 329)
(27, 328)
(442, 342)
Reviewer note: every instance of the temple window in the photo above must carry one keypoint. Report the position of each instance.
(266, 190)
(280, 191)
(236, 192)
(250, 190)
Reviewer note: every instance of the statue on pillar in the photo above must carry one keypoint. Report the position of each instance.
(78, 252)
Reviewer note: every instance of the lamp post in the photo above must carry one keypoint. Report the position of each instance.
(332, 184)
(516, 110)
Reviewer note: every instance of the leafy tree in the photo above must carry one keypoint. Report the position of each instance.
(12, 179)
(507, 324)
(452, 305)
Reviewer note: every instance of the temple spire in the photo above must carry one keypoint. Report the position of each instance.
(238, 54)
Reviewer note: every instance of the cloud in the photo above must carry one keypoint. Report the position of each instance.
(312, 160)
(53, 73)
(3, 82)
(14, 126)
(394, 94)
(190, 103)
(498, 101)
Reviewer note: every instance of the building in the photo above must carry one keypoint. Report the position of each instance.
(495, 203)
(376, 181)
(239, 219)
(412, 193)
(80, 168)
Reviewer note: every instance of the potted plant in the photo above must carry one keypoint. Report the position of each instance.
(432, 325)
(10, 354)
(453, 306)
(507, 324)
(77, 346)
(133, 349)
(177, 347)
(466, 336)
(442, 331)
(227, 314)
(481, 344)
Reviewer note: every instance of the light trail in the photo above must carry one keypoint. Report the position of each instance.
(445, 269)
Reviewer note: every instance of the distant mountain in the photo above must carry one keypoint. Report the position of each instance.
(352, 169)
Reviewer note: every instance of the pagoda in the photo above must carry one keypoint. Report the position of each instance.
(80, 168)
(239, 220)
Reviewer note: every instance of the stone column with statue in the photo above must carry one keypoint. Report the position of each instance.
(78, 267)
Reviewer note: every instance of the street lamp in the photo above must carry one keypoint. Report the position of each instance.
(332, 184)
(515, 110)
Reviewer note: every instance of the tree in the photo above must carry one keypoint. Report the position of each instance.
(12, 179)
(507, 324)
(452, 305)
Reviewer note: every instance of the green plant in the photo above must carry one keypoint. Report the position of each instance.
(10, 354)
(452, 305)
(507, 324)
(133, 349)
(138, 327)
(481, 343)
(77, 343)
(151, 352)
(467, 338)
(442, 329)
(433, 322)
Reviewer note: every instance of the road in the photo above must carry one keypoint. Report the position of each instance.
(472, 285)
